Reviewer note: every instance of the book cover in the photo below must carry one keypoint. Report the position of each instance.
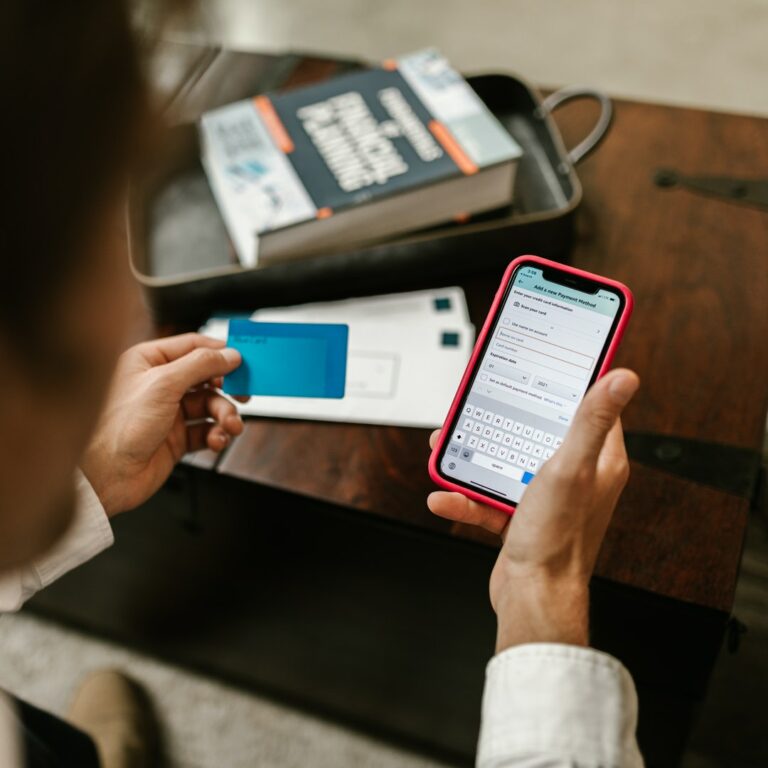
(283, 159)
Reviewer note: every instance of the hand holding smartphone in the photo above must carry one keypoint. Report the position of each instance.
(551, 332)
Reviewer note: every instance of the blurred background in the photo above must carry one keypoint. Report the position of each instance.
(705, 53)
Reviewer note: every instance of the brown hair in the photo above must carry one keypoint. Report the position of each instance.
(75, 113)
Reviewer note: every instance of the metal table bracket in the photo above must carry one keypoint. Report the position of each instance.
(752, 192)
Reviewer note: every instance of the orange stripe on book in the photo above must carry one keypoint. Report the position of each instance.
(462, 217)
(274, 124)
(324, 213)
(389, 64)
(452, 147)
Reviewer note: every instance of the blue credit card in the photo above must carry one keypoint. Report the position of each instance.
(288, 359)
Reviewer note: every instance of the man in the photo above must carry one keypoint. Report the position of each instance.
(89, 432)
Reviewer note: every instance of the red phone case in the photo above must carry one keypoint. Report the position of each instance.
(473, 360)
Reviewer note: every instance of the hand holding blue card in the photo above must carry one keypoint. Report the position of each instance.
(288, 359)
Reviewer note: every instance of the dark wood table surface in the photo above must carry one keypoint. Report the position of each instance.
(698, 268)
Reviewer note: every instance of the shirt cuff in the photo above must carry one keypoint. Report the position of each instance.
(574, 705)
(88, 534)
(11, 746)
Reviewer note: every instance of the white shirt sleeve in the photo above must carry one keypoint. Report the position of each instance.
(558, 706)
(88, 534)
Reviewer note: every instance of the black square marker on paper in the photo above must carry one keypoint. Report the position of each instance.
(450, 339)
(441, 305)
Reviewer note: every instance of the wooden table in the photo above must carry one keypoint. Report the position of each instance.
(666, 575)
(699, 272)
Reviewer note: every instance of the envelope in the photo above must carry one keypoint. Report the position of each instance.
(406, 356)
(439, 305)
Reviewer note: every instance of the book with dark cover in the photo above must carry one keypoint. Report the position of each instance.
(355, 159)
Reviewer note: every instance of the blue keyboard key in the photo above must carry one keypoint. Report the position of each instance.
(527, 477)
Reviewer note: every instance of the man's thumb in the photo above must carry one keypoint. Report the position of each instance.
(597, 413)
(202, 364)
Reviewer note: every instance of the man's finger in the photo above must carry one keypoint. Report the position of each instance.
(597, 414)
(225, 413)
(218, 383)
(196, 437)
(614, 452)
(193, 405)
(217, 439)
(169, 348)
(433, 438)
(208, 435)
(199, 365)
(460, 509)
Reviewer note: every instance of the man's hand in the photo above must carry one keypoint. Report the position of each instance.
(540, 583)
(162, 403)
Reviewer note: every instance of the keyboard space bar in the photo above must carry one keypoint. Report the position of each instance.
(515, 473)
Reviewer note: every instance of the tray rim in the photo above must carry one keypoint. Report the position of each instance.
(157, 281)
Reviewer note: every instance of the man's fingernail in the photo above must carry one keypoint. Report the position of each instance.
(623, 386)
(232, 356)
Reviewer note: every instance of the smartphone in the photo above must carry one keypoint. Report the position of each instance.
(551, 332)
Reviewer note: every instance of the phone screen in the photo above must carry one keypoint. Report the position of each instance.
(543, 352)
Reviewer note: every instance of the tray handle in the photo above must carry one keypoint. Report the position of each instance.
(596, 135)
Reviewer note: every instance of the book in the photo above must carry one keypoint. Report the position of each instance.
(355, 160)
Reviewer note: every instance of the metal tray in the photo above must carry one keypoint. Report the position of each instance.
(181, 253)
